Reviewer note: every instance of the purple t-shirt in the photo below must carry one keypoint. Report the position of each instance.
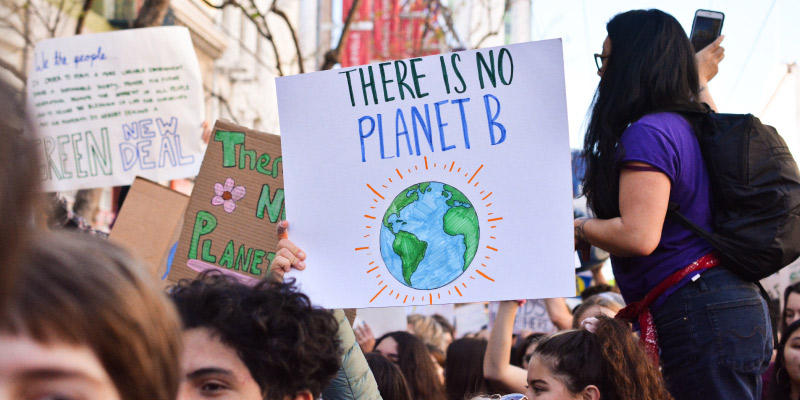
(667, 142)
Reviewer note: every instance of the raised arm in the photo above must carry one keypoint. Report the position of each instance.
(496, 366)
(708, 61)
(559, 313)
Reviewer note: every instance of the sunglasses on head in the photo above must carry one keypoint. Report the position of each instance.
(512, 396)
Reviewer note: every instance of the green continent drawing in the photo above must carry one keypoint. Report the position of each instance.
(429, 235)
(463, 221)
(411, 251)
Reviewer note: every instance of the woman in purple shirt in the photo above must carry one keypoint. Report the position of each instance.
(709, 328)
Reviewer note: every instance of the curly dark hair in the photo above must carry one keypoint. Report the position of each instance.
(610, 358)
(287, 344)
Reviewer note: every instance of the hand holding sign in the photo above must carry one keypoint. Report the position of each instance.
(288, 255)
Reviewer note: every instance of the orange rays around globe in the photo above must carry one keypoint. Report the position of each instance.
(388, 286)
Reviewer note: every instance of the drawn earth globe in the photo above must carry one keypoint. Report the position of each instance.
(429, 235)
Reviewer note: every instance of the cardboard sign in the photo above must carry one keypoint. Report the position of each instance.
(230, 224)
(116, 105)
(434, 180)
(149, 223)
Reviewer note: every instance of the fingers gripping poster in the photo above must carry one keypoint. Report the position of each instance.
(441, 179)
(112, 106)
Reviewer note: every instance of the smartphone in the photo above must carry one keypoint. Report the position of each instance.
(706, 28)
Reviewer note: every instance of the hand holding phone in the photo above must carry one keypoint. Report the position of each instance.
(706, 27)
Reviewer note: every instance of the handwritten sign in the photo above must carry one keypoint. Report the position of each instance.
(441, 179)
(111, 106)
(230, 224)
(531, 317)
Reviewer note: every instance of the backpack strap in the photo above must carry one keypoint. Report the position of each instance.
(673, 212)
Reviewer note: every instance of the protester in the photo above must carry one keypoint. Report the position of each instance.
(86, 322)
(785, 380)
(597, 289)
(354, 379)
(261, 342)
(449, 329)
(20, 183)
(410, 354)
(429, 330)
(522, 352)
(438, 358)
(496, 367)
(606, 303)
(712, 328)
(391, 383)
(464, 369)
(791, 305)
(603, 361)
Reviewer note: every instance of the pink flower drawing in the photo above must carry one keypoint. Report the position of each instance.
(227, 195)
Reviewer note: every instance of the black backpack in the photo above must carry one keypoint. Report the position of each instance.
(755, 192)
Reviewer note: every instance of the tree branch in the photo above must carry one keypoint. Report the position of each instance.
(491, 33)
(333, 55)
(14, 71)
(151, 14)
(87, 4)
(447, 14)
(283, 15)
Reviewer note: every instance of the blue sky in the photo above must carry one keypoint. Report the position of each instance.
(748, 74)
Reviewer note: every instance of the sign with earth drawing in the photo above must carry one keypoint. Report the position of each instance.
(432, 180)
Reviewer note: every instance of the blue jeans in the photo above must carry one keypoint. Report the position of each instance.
(715, 338)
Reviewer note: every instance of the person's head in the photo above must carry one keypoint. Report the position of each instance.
(597, 289)
(449, 329)
(524, 349)
(20, 183)
(786, 373)
(464, 368)
(608, 364)
(791, 304)
(86, 322)
(260, 342)
(438, 357)
(429, 330)
(606, 303)
(648, 66)
(391, 383)
(414, 360)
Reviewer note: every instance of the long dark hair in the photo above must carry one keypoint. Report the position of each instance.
(391, 383)
(610, 358)
(463, 372)
(416, 364)
(651, 68)
(780, 386)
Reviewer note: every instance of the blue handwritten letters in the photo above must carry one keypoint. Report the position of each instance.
(152, 143)
(59, 59)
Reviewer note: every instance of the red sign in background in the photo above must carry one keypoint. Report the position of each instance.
(389, 30)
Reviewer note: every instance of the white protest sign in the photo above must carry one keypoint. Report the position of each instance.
(382, 320)
(471, 319)
(531, 317)
(111, 106)
(442, 179)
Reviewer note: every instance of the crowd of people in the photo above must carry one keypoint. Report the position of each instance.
(81, 319)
